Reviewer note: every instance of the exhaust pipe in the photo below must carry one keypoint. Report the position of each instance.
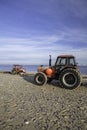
(50, 60)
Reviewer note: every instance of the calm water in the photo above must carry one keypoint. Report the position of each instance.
(33, 68)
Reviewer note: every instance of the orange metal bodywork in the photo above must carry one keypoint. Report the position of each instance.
(50, 72)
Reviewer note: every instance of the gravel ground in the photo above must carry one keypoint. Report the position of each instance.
(26, 106)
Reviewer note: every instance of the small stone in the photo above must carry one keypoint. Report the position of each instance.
(1, 122)
(66, 117)
(82, 108)
(26, 122)
(83, 121)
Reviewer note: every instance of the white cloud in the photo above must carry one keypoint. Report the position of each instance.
(74, 34)
(37, 49)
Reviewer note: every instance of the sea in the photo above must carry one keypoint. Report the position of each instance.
(33, 68)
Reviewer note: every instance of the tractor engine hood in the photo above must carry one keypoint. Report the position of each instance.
(50, 71)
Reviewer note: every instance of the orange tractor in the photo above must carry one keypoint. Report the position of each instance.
(17, 69)
(65, 71)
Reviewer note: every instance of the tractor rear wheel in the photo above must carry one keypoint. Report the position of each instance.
(40, 78)
(70, 78)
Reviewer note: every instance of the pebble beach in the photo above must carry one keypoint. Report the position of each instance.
(26, 106)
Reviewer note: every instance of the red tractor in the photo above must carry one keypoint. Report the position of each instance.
(17, 69)
(65, 71)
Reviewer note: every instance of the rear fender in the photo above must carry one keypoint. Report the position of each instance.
(73, 67)
(68, 67)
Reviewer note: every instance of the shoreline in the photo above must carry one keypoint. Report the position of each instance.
(84, 76)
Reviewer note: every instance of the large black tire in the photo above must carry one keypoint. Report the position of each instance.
(14, 72)
(70, 78)
(21, 73)
(40, 78)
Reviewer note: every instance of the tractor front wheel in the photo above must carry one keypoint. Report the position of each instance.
(14, 72)
(40, 78)
(70, 78)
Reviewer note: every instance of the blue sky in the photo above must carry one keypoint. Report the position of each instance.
(31, 30)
